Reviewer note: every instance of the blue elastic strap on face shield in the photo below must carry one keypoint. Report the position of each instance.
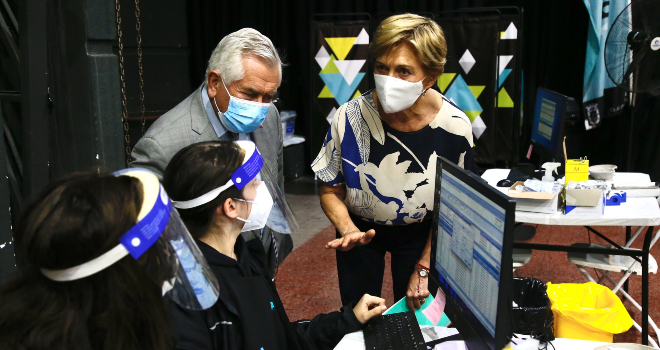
(248, 171)
(146, 232)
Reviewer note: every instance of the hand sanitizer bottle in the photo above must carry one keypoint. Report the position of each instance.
(549, 168)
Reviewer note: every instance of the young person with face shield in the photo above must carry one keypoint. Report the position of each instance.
(99, 252)
(379, 157)
(221, 189)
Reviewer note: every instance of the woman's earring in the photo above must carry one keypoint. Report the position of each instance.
(424, 93)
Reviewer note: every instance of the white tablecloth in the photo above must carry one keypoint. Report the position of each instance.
(635, 212)
(355, 341)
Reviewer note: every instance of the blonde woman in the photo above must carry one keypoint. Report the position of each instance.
(378, 162)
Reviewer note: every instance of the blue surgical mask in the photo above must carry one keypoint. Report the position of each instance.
(242, 116)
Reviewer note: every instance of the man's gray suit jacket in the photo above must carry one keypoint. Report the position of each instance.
(188, 123)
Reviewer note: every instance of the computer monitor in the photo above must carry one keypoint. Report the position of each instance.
(471, 255)
(553, 110)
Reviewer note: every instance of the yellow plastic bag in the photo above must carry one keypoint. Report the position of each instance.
(587, 311)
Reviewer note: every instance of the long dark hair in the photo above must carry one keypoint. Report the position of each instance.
(74, 220)
(198, 169)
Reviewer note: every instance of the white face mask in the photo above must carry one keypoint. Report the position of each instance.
(395, 94)
(261, 206)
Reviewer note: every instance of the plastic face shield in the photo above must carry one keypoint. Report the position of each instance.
(281, 218)
(162, 245)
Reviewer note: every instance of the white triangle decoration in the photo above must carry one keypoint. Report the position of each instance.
(504, 60)
(331, 115)
(322, 57)
(362, 38)
(510, 33)
(467, 61)
(349, 69)
(478, 127)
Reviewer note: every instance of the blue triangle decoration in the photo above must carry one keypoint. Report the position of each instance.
(338, 86)
(462, 95)
(503, 76)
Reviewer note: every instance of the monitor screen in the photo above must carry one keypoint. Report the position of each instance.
(548, 119)
(472, 247)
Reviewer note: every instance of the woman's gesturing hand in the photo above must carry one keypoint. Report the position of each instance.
(351, 240)
(369, 307)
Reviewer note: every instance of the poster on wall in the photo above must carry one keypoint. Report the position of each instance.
(340, 68)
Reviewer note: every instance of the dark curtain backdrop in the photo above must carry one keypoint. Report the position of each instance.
(554, 47)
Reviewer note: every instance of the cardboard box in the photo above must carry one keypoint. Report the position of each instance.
(536, 202)
(595, 211)
(584, 198)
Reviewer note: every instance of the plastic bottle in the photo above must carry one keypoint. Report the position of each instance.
(549, 168)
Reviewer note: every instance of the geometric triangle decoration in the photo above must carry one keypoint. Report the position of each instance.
(362, 38)
(467, 61)
(322, 57)
(504, 100)
(349, 68)
(341, 46)
(330, 115)
(477, 90)
(325, 93)
(338, 86)
(504, 75)
(444, 81)
(472, 115)
(330, 67)
(356, 94)
(461, 94)
(504, 60)
(478, 126)
(511, 33)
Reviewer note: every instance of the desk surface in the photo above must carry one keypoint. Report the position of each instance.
(635, 212)
(355, 341)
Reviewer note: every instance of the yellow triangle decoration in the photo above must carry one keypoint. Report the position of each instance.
(504, 100)
(331, 67)
(356, 94)
(501, 34)
(477, 90)
(472, 115)
(325, 93)
(341, 46)
(444, 81)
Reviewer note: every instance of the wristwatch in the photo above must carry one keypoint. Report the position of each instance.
(422, 270)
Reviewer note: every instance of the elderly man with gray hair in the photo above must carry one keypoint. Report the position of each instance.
(233, 103)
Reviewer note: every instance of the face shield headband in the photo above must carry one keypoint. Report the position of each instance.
(161, 244)
(251, 167)
(281, 218)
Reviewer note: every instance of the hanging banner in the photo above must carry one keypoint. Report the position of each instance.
(340, 71)
(508, 90)
(601, 98)
(470, 76)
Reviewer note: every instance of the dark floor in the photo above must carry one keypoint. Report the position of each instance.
(307, 281)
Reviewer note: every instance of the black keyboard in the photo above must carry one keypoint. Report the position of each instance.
(516, 175)
(394, 332)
